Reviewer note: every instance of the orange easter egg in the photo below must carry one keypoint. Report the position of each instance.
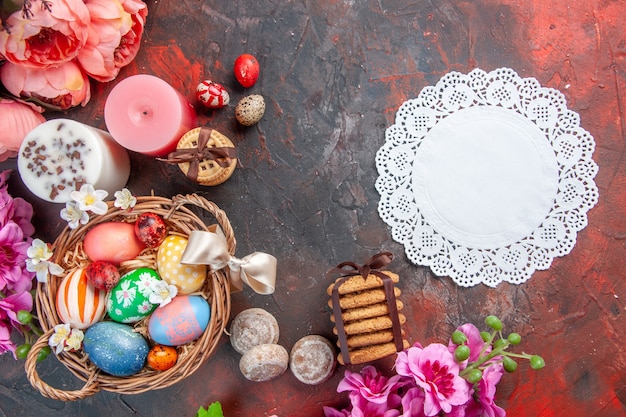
(162, 358)
(78, 302)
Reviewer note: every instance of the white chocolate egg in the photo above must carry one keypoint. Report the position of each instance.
(187, 278)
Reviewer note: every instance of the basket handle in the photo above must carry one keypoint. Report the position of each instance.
(46, 390)
(198, 201)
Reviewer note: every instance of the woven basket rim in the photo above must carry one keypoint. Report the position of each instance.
(67, 252)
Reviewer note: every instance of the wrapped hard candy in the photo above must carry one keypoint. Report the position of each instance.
(212, 94)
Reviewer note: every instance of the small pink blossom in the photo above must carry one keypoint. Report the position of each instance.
(369, 384)
(13, 248)
(484, 404)
(434, 370)
(474, 341)
(13, 303)
(6, 345)
(16, 210)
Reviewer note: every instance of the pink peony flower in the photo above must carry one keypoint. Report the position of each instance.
(6, 345)
(10, 305)
(64, 86)
(369, 384)
(434, 369)
(13, 247)
(49, 37)
(114, 36)
(16, 120)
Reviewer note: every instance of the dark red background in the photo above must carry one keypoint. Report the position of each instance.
(333, 74)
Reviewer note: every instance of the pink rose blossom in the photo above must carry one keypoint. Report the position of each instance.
(10, 305)
(63, 87)
(434, 370)
(16, 120)
(114, 36)
(47, 38)
(6, 345)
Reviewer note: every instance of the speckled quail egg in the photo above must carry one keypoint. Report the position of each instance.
(250, 109)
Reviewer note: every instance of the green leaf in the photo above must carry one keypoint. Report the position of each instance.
(202, 412)
(214, 410)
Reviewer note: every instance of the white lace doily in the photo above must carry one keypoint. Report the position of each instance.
(486, 177)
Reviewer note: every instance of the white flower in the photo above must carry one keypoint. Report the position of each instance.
(39, 251)
(124, 199)
(65, 338)
(43, 268)
(90, 199)
(39, 254)
(74, 215)
(74, 340)
(162, 293)
(57, 340)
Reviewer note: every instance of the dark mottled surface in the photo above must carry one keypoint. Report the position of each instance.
(333, 73)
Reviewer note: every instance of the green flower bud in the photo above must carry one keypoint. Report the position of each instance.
(461, 353)
(21, 352)
(537, 362)
(509, 364)
(458, 337)
(474, 376)
(43, 353)
(514, 339)
(24, 317)
(493, 322)
(485, 336)
(499, 343)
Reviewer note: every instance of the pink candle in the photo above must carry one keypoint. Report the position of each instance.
(60, 155)
(145, 114)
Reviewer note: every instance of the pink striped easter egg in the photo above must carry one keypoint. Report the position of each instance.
(79, 303)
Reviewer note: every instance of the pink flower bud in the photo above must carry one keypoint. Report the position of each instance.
(16, 120)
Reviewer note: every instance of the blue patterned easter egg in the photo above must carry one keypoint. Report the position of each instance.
(182, 320)
(115, 348)
(129, 300)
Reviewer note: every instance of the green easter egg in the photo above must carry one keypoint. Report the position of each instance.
(129, 300)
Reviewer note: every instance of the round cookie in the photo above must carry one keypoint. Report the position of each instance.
(264, 362)
(312, 359)
(253, 327)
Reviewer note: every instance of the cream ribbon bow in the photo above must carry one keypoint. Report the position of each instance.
(258, 269)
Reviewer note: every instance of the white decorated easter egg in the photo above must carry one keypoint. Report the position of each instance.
(129, 300)
(78, 302)
(180, 321)
(187, 278)
(113, 242)
(115, 348)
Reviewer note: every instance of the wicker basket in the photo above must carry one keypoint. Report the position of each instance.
(69, 254)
